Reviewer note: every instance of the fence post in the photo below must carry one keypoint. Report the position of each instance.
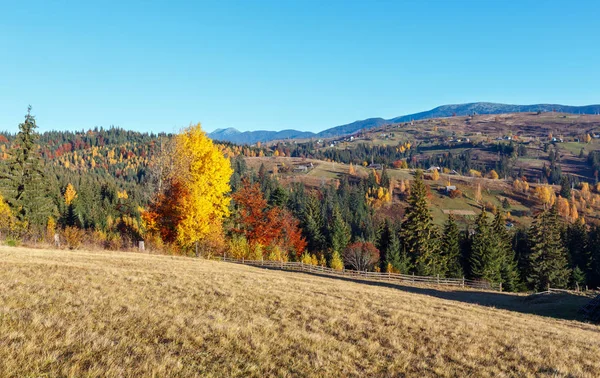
(413, 279)
(242, 259)
(463, 282)
(438, 279)
(500, 286)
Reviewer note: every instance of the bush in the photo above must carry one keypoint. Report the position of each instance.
(306, 258)
(361, 256)
(238, 247)
(336, 262)
(73, 237)
(455, 193)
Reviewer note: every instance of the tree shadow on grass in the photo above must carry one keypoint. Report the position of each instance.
(554, 305)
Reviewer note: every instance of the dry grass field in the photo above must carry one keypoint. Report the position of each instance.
(76, 313)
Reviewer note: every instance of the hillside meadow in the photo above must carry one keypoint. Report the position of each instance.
(78, 313)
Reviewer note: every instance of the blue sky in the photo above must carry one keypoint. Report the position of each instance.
(308, 65)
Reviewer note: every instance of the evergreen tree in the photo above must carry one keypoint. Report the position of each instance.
(383, 242)
(396, 255)
(312, 225)
(578, 277)
(451, 248)
(576, 238)
(508, 269)
(340, 232)
(419, 234)
(548, 257)
(565, 187)
(593, 269)
(22, 180)
(385, 178)
(485, 258)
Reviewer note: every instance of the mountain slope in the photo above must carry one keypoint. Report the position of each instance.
(249, 137)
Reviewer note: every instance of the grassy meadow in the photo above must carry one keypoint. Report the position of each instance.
(78, 313)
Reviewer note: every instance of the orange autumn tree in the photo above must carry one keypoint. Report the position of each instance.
(266, 226)
(194, 199)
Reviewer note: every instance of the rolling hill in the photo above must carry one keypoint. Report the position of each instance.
(78, 313)
(250, 137)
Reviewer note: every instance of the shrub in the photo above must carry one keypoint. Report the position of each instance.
(455, 193)
(238, 247)
(114, 242)
(336, 262)
(313, 260)
(256, 252)
(73, 237)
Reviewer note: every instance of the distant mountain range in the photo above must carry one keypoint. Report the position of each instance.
(251, 137)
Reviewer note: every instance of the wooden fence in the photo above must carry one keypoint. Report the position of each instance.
(370, 276)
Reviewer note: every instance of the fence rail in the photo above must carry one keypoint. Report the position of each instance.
(371, 276)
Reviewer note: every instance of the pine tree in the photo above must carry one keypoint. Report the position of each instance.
(565, 187)
(340, 232)
(396, 255)
(593, 269)
(508, 270)
(451, 248)
(485, 258)
(385, 178)
(22, 180)
(548, 264)
(312, 225)
(419, 234)
(577, 244)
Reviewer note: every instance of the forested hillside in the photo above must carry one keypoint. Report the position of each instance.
(427, 198)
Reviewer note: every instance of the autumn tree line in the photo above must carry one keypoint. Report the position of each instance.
(192, 196)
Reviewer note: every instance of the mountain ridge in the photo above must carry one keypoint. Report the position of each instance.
(250, 137)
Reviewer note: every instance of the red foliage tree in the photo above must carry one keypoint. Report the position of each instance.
(263, 225)
(163, 215)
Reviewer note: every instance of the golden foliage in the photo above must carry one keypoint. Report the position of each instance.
(474, 173)
(336, 262)
(522, 186)
(563, 207)
(351, 170)
(493, 175)
(70, 194)
(6, 216)
(545, 193)
(205, 173)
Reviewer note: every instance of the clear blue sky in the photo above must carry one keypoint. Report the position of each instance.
(309, 65)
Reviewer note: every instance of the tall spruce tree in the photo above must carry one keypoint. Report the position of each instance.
(548, 265)
(485, 259)
(593, 270)
(312, 225)
(340, 232)
(419, 234)
(383, 242)
(577, 244)
(508, 269)
(22, 180)
(451, 248)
